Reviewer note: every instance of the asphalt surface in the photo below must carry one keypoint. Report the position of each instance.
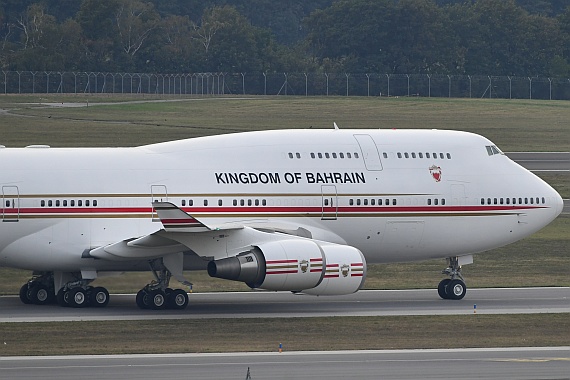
(287, 305)
(464, 364)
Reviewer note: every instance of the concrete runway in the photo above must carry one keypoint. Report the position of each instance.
(287, 305)
(466, 364)
(542, 161)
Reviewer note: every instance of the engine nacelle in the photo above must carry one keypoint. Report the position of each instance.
(296, 265)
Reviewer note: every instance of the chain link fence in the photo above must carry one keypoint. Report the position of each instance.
(300, 84)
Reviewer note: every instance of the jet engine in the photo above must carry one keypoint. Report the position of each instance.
(296, 265)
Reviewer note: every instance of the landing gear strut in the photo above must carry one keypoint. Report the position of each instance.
(157, 295)
(453, 288)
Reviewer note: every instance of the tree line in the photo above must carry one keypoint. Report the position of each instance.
(478, 37)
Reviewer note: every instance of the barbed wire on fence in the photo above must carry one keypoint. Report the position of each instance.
(300, 84)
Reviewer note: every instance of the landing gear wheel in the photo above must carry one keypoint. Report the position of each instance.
(142, 299)
(39, 294)
(24, 294)
(62, 298)
(456, 289)
(157, 299)
(178, 299)
(442, 288)
(99, 297)
(78, 297)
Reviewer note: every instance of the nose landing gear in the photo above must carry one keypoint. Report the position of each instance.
(454, 288)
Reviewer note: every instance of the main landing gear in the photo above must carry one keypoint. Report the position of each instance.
(80, 295)
(157, 295)
(40, 290)
(453, 288)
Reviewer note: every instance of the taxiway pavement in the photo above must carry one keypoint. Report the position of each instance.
(256, 304)
(466, 364)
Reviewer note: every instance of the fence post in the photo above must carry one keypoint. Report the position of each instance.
(243, 82)
(306, 85)
(510, 87)
(529, 87)
(388, 76)
(327, 76)
(347, 75)
(368, 83)
(449, 86)
(429, 85)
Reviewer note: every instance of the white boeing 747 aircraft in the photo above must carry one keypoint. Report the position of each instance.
(288, 210)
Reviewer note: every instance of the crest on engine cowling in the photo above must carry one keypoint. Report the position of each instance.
(304, 265)
(345, 269)
(435, 172)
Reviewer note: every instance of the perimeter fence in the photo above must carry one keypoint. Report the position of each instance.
(299, 84)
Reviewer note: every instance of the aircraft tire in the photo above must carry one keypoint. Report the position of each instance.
(157, 300)
(442, 288)
(39, 294)
(99, 297)
(177, 299)
(78, 298)
(142, 299)
(24, 294)
(456, 289)
(62, 298)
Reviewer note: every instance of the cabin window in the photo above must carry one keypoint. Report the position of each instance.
(341, 155)
(334, 155)
(443, 202)
(420, 155)
(205, 202)
(399, 155)
(406, 155)
(249, 202)
(358, 202)
(348, 155)
(394, 202)
(429, 202)
(95, 203)
(298, 155)
(290, 155)
(385, 155)
(57, 203)
(219, 202)
(448, 156)
(320, 155)
(79, 203)
(183, 202)
(50, 203)
(87, 203)
(351, 202)
(312, 155)
(355, 155)
(257, 202)
(372, 202)
(327, 155)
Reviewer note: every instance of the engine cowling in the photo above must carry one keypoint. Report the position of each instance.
(297, 265)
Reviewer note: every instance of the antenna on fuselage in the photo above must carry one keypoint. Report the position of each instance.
(335, 126)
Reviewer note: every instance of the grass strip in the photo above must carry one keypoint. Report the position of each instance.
(264, 335)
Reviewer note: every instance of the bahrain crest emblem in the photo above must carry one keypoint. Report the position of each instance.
(435, 172)
(304, 264)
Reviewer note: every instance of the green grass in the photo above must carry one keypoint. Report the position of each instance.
(264, 335)
(514, 125)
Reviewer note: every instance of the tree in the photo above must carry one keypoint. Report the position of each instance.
(134, 21)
